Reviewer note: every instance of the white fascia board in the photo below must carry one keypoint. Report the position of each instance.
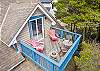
(15, 41)
(3, 21)
(2, 25)
(37, 6)
(4, 43)
(5, 17)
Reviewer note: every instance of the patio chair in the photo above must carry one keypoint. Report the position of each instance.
(52, 35)
(63, 50)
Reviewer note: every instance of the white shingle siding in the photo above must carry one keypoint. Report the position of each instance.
(47, 25)
(38, 12)
(47, 5)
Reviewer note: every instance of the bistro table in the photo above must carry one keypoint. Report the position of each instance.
(54, 55)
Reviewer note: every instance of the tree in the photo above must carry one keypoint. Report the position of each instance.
(80, 13)
(98, 32)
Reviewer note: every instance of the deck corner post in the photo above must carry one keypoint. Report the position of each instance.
(61, 34)
(61, 69)
(30, 28)
(75, 37)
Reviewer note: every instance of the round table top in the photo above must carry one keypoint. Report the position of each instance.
(54, 54)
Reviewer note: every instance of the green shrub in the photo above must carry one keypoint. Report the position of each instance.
(89, 58)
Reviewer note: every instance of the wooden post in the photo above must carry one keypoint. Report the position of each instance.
(30, 29)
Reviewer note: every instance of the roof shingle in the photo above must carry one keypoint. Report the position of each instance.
(15, 18)
(4, 4)
(8, 57)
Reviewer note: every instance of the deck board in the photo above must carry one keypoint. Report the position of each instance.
(8, 57)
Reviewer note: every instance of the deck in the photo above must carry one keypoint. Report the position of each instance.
(8, 57)
(50, 46)
(44, 59)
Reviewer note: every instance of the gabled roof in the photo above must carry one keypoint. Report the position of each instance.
(9, 58)
(16, 18)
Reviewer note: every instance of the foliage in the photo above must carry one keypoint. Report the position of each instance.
(85, 15)
(80, 13)
(77, 11)
(89, 59)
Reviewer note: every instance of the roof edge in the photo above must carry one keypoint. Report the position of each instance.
(4, 43)
(2, 25)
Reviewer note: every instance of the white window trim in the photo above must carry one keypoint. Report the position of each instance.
(43, 26)
(37, 27)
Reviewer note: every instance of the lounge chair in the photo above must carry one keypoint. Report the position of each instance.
(36, 44)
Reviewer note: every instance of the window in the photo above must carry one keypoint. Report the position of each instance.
(37, 31)
(39, 24)
(34, 27)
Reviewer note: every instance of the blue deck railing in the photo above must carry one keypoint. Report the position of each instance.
(44, 61)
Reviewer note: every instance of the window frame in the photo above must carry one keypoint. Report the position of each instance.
(37, 27)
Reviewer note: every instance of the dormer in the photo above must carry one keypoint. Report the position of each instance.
(47, 4)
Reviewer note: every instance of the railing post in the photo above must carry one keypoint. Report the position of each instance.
(75, 37)
(61, 33)
(61, 68)
(30, 29)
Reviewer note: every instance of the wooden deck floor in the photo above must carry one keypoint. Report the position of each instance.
(8, 57)
(52, 46)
